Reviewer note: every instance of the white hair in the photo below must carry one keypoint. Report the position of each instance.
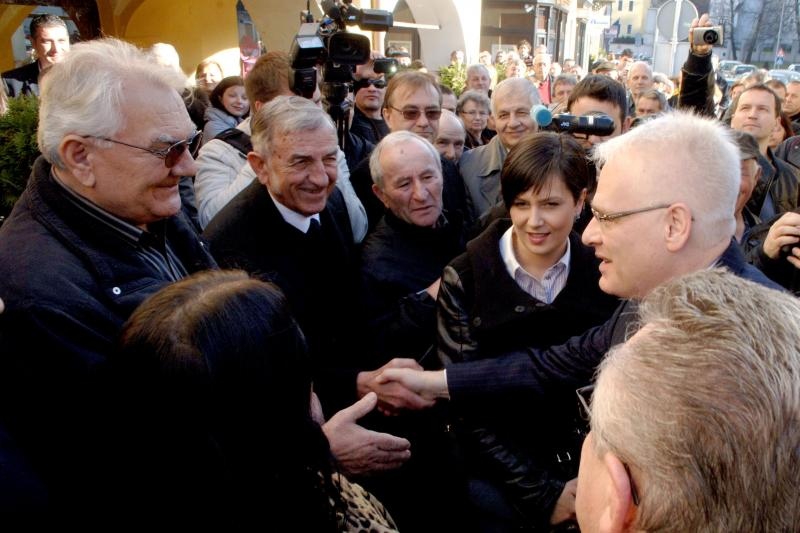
(85, 93)
(391, 141)
(286, 114)
(690, 159)
(703, 405)
(515, 86)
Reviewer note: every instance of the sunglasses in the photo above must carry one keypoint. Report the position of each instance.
(172, 154)
(413, 113)
(378, 83)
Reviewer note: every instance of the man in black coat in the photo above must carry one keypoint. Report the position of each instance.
(50, 40)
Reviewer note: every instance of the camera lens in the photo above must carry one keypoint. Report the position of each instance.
(710, 37)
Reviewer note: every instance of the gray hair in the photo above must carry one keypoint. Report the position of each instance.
(286, 114)
(477, 66)
(391, 141)
(703, 405)
(691, 159)
(84, 94)
(515, 86)
(654, 94)
(472, 96)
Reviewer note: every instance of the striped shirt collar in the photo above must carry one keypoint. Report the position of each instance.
(124, 229)
(555, 277)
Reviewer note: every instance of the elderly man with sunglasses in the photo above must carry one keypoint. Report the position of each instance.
(97, 230)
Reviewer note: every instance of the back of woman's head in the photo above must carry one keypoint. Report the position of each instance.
(220, 354)
(216, 95)
(541, 157)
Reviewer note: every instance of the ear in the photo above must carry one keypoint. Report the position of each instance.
(490, 122)
(74, 153)
(679, 226)
(620, 511)
(259, 165)
(380, 194)
(385, 113)
(626, 124)
(580, 202)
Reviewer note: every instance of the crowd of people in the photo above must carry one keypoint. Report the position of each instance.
(215, 305)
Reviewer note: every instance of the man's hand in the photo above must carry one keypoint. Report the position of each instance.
(703, 22)
(361, 451)
(565, 506)
(392, 396)
(785, 231)
(428, 384)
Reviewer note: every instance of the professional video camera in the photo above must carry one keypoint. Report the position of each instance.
(335, 53)
(600, 125)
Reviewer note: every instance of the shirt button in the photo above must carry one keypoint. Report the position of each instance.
(117, 291)
(520, 309)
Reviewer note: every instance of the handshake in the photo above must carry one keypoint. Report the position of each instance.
(402, 384)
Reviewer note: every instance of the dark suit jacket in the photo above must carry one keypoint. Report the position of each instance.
(317, 273)
(534, 372)
(22, 80)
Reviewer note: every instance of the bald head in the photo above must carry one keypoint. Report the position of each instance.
(640, 78)
(450, 138)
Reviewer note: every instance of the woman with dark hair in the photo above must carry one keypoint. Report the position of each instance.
(229, 106)
(224, 373)
(524, 281)
(781, 132)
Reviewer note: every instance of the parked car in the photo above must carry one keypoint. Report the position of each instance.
(784, 75)
(726, 67)
(794, 66)
(740, 71)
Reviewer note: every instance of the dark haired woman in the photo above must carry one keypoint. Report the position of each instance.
(524, 281)
(229, 106)
(224, 388)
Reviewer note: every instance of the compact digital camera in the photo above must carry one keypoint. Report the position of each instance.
(709, 35)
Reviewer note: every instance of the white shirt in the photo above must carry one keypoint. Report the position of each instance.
(544, 290)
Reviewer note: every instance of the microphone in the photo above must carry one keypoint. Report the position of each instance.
(600, 125)
(541, 115)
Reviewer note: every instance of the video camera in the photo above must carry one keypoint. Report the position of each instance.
(600, 125)
(334, 52)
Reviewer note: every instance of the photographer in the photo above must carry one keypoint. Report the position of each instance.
(368, 91)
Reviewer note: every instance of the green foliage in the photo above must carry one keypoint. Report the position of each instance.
(18, 149)
(455, 77)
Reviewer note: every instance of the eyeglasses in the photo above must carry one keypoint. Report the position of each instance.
(414, 113)
(607, 217)
(475, 112)
(584, 400)
(172, 154)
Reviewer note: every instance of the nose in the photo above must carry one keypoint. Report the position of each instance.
(319, 175)
(535, 217)
(423, 121)
(419, 192)
(185, 166)
(450, 152)
(591, 235)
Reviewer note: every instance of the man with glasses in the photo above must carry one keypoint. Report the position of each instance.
(664, 207)
(368, 90)
(511, 102)
(413, 102)
(97, 230)
(694, 418)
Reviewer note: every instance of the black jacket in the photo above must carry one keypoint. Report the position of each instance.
(483, 313)
(316, 272)
(69, 284)
(22, 80)
(531, 373)
(398, 262)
